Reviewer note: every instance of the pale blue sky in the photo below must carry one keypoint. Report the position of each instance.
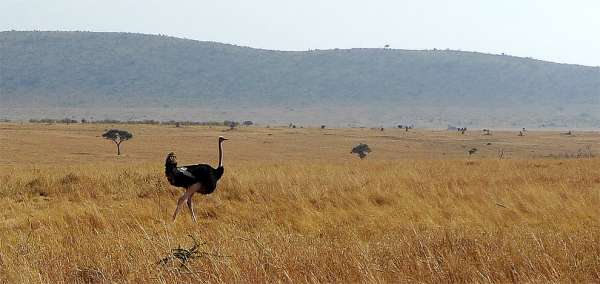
(566, 31)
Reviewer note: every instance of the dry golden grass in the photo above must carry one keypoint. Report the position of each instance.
(292, 209)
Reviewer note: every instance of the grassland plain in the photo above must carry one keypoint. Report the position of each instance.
(295, 206)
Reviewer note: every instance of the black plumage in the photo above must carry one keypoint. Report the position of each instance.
(186, 176)
(200, 178)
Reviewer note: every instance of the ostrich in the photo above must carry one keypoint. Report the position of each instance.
(200, 178)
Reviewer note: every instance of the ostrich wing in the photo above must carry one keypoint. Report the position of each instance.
(185, 172)
(181, 177)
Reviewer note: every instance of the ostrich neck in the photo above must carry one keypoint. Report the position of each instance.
(170, 167)
(220, 154)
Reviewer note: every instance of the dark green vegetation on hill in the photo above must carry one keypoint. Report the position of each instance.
(94, 70)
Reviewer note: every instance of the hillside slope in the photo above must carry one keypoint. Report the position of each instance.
(84, 70)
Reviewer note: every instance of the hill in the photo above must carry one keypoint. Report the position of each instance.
(122, 74)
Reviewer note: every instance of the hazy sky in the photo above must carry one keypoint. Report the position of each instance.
(566, 31)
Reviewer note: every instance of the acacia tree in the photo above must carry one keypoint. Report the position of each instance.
(361, 150)
(117, 136)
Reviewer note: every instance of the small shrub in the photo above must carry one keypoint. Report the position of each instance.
(361, 150)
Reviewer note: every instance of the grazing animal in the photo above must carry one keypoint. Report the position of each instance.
(200, 178)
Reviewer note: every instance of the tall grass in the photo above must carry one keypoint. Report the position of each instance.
(363, 221)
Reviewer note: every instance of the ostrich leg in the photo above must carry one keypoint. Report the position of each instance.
(187, 195)
(191, 206)
(195, 188)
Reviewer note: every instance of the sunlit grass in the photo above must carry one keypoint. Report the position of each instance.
(411, 220)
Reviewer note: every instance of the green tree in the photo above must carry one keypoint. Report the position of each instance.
(361, 150)
(117, 136)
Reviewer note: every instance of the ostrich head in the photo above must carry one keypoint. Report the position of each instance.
(171, 159)
(221, 139)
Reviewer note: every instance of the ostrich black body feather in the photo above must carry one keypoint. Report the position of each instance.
(189, 175)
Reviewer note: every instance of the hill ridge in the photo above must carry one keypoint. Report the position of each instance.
(97, 70)
(309, 50)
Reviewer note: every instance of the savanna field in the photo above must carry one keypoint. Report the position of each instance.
(295, 206)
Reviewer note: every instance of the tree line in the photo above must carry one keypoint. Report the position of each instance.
(145, 121)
